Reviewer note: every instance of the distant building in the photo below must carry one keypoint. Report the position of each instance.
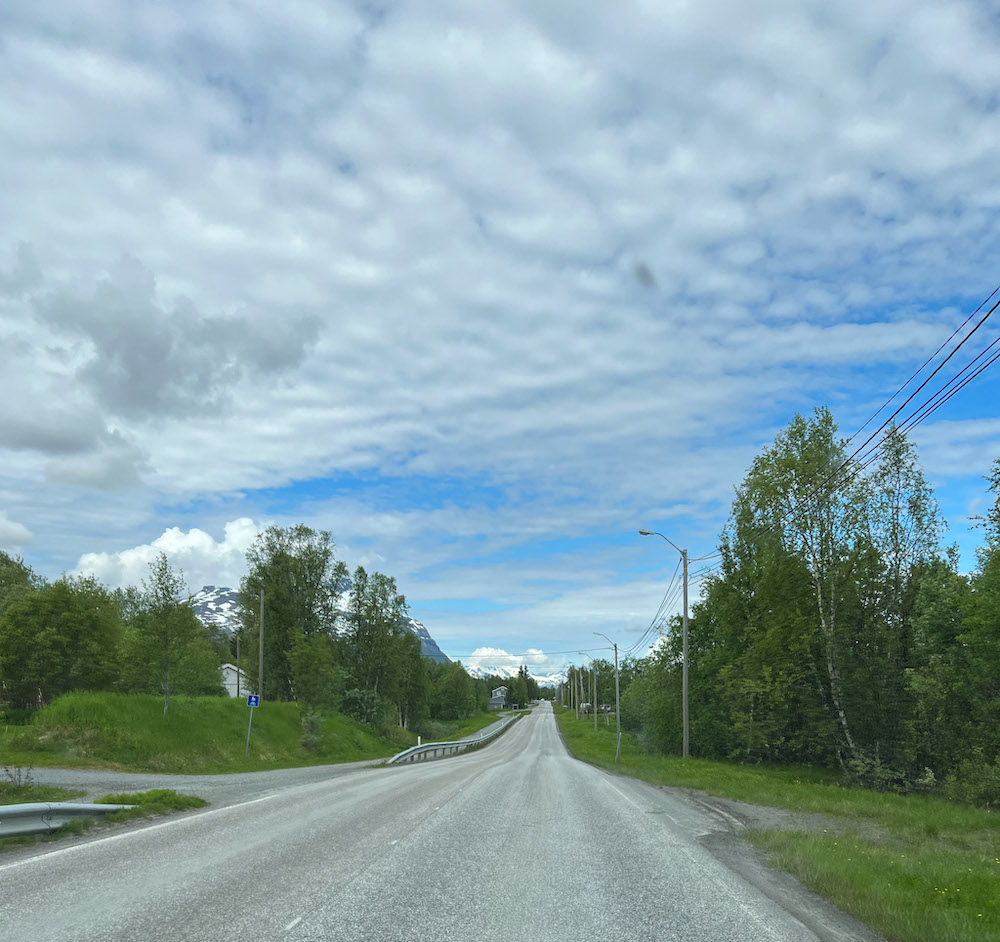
(235, 681)
(498, 699)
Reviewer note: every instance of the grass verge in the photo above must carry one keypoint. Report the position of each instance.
(129, 732)
(160, 801)
(17, 788)
(448, 730)
(915, 868)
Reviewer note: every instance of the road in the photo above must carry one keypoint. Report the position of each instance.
(515, 841)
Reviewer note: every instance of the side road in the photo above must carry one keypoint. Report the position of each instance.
(217, 790)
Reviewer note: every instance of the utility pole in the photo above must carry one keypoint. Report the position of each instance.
(618, 713)
(684, 668)
(260, 667)
(238, 662)
(618, 704)
(684, 637)
(593, 683)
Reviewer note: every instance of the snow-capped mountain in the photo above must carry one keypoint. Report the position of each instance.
(550, 679)
(219, 606)
(428, 646)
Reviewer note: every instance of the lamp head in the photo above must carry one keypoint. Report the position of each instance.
(646, 533)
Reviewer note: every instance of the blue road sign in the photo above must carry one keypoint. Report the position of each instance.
(253, 700)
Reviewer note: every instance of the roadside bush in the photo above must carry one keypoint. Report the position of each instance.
(874, 774)
(11, 716)
(312, 725)
(365, 706)
(431, 731)
(975, 781)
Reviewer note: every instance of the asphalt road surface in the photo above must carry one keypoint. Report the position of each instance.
(514, 842)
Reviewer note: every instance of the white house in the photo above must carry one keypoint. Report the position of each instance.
(235, 681)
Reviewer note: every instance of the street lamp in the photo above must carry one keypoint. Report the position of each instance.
(618, 708)
(684, 636)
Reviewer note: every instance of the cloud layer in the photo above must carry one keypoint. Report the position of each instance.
(478, 288)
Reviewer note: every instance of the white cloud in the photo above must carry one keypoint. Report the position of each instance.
(203, 560)
(13, 534)
(296, 266)
(488, 658)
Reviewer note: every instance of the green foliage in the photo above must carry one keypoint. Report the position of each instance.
(198, 735)
(296, 569)
(924, 892)
(17, 786)
(876, 775)
(836, 631)
(312, 724)
(164, 647)
(975, 781)
(317, 679)
(452, 692)
(73, 635)
(366, 706)
(16, 577)
(441, 730)
(156, 801)
(59, 637)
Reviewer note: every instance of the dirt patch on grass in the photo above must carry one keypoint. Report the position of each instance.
(742, 816)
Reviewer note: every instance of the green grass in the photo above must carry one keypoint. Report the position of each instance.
(129, 732)
(14, 793)
(916, 868)
(145, 804)
(445, 730)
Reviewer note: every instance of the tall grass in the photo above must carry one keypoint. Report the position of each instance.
(916, 868)
(197, 735)
(443, 730)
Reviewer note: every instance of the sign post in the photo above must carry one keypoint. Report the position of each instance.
(253, 701)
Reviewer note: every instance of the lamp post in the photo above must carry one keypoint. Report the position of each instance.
(684, 638)
(618, 711)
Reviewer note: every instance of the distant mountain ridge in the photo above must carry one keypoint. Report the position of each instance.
(219, 607)
(550, 679)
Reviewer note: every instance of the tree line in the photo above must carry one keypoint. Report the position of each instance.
(356, 657)
(837, 629)
(76, 634)
(332, 640)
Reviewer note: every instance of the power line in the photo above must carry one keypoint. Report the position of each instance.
(922, 411)
(920, 368)
(870, 454)
(663, 604)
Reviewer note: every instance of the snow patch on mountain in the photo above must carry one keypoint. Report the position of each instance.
(219, 607)
(543, 677)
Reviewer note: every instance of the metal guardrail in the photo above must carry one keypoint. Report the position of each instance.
(438, 750)
(43, 817)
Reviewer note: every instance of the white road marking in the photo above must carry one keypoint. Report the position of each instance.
(635, 804)
(122, 836)
(293, 923)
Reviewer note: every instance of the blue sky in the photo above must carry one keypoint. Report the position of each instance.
(481, 289)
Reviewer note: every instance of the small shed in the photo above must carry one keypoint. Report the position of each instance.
(235, 681)
(498, 699)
